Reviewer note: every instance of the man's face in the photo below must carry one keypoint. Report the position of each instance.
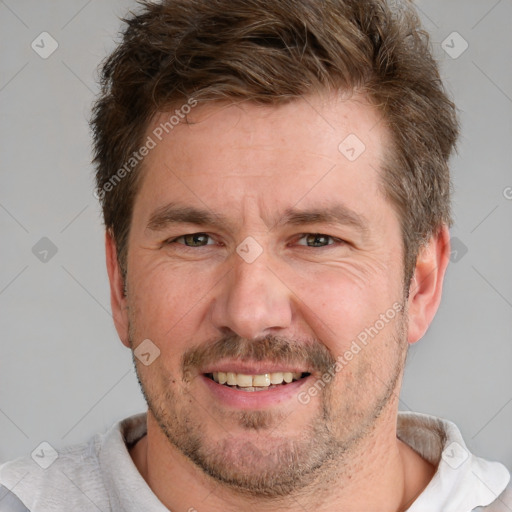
(276, 251)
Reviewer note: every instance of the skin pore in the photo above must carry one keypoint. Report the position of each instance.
(323, 262)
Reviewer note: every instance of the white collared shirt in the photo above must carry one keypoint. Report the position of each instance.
(100, 474)
(462, 481)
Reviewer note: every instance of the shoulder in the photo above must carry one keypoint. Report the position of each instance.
(67, 480)
(9, 502)
(463, 481)
(503, 503)
(79, 477)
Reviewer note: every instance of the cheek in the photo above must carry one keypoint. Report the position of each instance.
(166, 301)
(340, 301)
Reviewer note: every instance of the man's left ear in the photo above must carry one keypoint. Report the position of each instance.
(427, 283)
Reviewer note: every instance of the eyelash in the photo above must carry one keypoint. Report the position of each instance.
(337, 241)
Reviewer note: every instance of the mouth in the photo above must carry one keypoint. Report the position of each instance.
(256, 382)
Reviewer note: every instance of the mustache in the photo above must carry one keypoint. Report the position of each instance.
(276, 349)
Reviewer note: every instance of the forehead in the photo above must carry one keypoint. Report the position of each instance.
(317, 123)
(307, 150)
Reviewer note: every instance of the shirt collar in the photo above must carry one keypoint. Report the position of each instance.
(127, 489)
(462, 480)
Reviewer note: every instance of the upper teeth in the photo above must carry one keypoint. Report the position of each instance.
(247, 381)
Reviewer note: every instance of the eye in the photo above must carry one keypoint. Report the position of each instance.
(318, 240)
(193, 240)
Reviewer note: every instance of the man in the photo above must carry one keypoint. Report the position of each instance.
(275, 188)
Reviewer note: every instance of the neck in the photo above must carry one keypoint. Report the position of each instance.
(382, 474)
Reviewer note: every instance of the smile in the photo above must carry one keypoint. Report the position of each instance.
(259, 382)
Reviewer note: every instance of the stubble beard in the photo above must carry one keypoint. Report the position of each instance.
(277, 466)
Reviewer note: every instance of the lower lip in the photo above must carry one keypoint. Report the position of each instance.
(254, 399)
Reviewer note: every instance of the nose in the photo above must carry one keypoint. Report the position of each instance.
(252, 301)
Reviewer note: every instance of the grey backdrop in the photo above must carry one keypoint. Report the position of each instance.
(64, 375)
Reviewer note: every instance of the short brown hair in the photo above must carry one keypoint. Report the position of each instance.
(272, 51)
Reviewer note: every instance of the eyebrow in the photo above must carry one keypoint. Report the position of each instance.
(176, 214)
(337, 214)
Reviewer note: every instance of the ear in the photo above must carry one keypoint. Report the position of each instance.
(427, 284)
(118, 300)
